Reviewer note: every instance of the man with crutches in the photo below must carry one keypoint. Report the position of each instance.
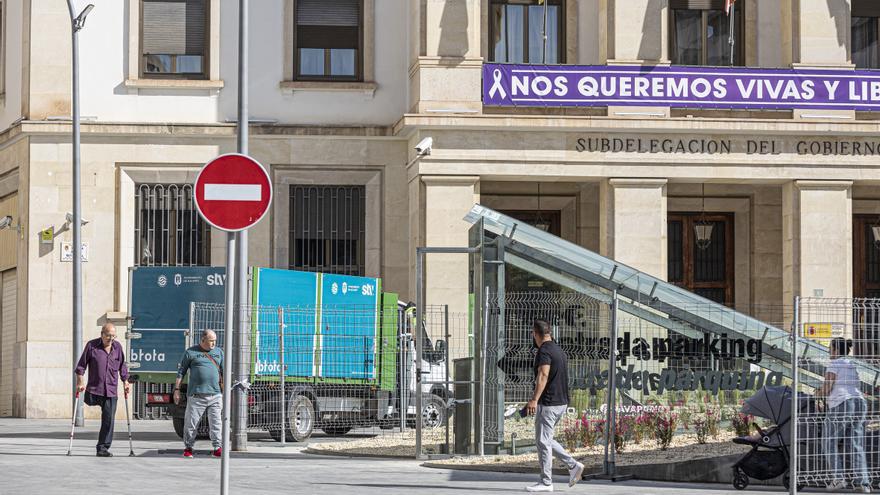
(105, 361)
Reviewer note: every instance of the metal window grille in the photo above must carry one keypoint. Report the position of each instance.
(327, 229)
(708, 271)
(168, 229)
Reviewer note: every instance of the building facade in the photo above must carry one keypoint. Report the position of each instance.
(340, 93)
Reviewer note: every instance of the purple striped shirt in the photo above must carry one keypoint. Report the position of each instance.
(103, 367)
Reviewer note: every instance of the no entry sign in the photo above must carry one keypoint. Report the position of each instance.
(233, 192)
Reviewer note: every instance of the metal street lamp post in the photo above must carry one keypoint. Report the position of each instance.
(76, 23)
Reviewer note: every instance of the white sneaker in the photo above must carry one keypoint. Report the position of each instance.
(539, 487)
(835, 485)
(864, 489)
(575, 474)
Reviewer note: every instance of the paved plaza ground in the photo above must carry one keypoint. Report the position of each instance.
(33, 461)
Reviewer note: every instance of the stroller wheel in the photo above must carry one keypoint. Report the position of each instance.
(740, 480)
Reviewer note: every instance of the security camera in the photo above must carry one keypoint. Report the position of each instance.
(424, 146)
(5, 222)
(69, 218)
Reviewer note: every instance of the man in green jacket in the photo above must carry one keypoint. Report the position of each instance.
(204, 362)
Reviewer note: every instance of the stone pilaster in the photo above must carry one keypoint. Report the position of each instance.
(817, 239)
(633, 223)
(438, 205)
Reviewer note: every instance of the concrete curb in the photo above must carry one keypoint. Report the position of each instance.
(354, 454)
(259, 454)
(709, 470)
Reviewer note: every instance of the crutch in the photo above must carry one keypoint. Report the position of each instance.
(73, 421)
(128, 421)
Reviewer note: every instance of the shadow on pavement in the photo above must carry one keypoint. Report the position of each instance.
(89, 433)
(412, 487)
(44, 454)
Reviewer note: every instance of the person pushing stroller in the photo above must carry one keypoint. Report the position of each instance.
(844, 423)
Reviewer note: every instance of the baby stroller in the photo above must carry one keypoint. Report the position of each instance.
(769, 456)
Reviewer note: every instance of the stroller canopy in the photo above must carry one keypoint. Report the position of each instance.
(774, 403)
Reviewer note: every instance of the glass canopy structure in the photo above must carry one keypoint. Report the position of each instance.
(658, 308)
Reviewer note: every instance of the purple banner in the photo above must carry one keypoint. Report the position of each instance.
(691, 87)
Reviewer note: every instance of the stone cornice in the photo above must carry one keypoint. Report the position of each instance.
(491, 122)
(219, 130)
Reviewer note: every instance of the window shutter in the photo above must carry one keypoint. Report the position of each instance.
(865, 8)
(328, 13)
(699, 4)
(174, 27)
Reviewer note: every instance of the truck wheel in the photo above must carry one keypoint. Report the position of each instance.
(300, 421)
(434, 414)
(178, 426)
(301, 418)
(336, 430)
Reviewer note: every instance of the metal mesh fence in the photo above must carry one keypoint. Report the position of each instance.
(838, 434)
(578, 322)
(685, 375)
(348, 369)
(681, 378)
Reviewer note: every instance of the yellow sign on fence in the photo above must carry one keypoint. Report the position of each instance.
(817, 330)
(822, 332)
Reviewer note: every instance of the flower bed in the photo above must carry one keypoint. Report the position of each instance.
(681, 431)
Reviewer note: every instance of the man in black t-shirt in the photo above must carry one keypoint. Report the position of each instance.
(549, 403)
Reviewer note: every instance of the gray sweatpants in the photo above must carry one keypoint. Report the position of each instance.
(545, 422)
(195, 409)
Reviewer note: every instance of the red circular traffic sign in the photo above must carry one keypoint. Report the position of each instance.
(233, 192)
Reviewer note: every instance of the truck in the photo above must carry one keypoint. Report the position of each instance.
(348, 355)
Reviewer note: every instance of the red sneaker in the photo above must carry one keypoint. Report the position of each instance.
(218, 452)
(188, 453)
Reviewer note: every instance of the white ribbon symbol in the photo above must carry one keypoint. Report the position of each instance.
(497, 86)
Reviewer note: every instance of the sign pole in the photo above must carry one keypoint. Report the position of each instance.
(239, 399)
(227, 361)
(232, 193)
(77, 347)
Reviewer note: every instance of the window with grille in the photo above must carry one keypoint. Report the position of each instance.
(699, 33)
(866, 256)
(516, 29)
(866, 283)
(174, 38)
(168, 229)
(705, 270)
(329, 40)
(327, 229)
